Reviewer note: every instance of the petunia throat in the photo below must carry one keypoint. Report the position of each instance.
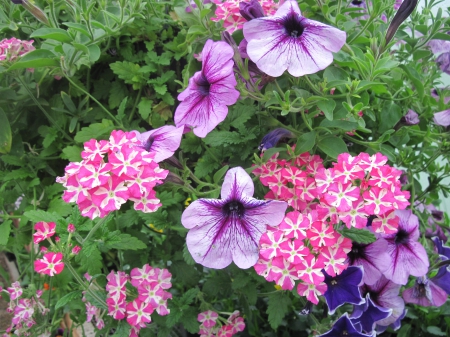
(293, 25)
(401, 237)
(203, 85)
(233, 208)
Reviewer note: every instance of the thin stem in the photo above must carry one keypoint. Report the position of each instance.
(95, 228)
(311, 85)
(302, 112)
(136, 102)
(362, 30)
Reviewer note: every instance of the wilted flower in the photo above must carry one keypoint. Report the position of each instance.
(442, 118)
(229, 229)
(288, 41)
(205, 100)
(411, 118)
(273, 137)
(405, 10)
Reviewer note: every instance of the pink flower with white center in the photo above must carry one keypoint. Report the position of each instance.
(110, 196)
(341, 196)
(294, 251)
(237, 323)
(386, 223)
(346, 172)
(313, 165)
(144, 275)
(90, 210)
(147, 203)
(100, 324)
(138, 313)
(400, 198)
(294, 225)
(288, 273)
(94, 174)
(321, 234)
(163, 277)
(116, 309)
(367, 162)
(225, 331)
(334, 259)
(44, 230)
(378, 200)
(15, 291)
(161, 305)
(126, 161)
(43, 249)
(310, 270)
(116, 285)
(308, 191)
(384, 176)
(324, 178)
(91, 311)
(311, 291)
(94, 150)
(11, 49)
(150, 293)
(266, 269)
(324, 212)
(51, 264)
(355, 217)
(71, 228)
(134, 331)
(75, 192)
(208, 318)
(118, 138)
(294, 175)
(270, 243)
(76, 250)
(278, 185)
(145, 180)
(343, 243)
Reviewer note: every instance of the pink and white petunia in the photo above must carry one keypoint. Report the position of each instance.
(44, 230)
(110, 196)
(138, 313)
(51, 264)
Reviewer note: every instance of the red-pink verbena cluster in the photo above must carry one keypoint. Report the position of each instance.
(305, 242)
(11, 49)
(111, 173)
(225, 328)
(228, 11)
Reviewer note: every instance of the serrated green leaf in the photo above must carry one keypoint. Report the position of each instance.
(278, 307)
(205, 166)
(160, 89)
(5, 133)
(94, 131)
(305, 142)
(189, 296)
(72, 153)
(68, 298)
(145, 107)
(240, 281)
(116, 94)
(18, 174)
(332, 146)
(121, 110)
(5, 230)
(358, 235)
(50, 137)
(123, 241)
(189, 320)
(123, 330)
(187, 256)
(40, 215)
(94, 296)
(174, 317)
(90, 258)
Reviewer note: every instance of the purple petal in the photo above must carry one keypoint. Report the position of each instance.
(442, 118)
(371, 314)
(409, 222)
(425, 293)
(236, 183)
(344, 326)
(217, 60)
(164, 141)
(442, 279)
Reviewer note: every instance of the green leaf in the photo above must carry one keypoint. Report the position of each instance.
(332, 146)
(339, 124)
(52, 33)
(5, 230)
(68, 298)
(305, 142)
(435, 330)
(189, 320)
(219, 174)
(123, 241)
(94, 131)
(358, 235)
(187, 256)
(40, 215)
(68, 102)
(123, 329)
(78, 27)
(415, 79)
(5, 133)
(278, 307)
(145, 107)
(121, 110)
(36, 59)
(390, 115)
(189, 296)
(72, 153)
(94, 53)
(240, 281)
(205, 166)
(174, 317)
(93, 298)
(90, 258)
(327, 107)
(160, 89)
(127, 71)
(404, 331)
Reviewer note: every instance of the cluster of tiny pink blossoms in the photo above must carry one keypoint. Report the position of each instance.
(305, 243)
(226, 328)
(24, 310)
(11, 49)
(228, 11)
(151, 284)
(111, 173)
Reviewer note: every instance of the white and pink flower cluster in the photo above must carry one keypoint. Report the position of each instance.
(226, 328)
(228, 11)
(24, 310)
(11, 49)
(353, 191)
(151, 284)
(111, 173)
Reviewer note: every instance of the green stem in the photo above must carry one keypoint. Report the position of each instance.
(136, 102)
(362, 30)
(311, 85)
(302, 112)
(95, 228)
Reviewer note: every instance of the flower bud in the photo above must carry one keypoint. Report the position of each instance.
(57, 239)
(411, 118)
(71, 228)
(251, 10)
(35, 11)
(43, 249)
(76, 250)
(272, 138)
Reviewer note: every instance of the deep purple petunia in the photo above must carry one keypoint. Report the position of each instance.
(407, 255)
(164, 141)
(229, 229)
(442, 118)
(343, 288)
(372, 257)
(204, 103)
(290, 41)
(425, 293)
(395, 326)
(345, 328)
(368, 314)
(442, 279)
(273, 137)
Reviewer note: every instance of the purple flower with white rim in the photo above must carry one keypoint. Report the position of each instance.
(395, 326)
(288, 41)
(345, 327)
(204, 103)
(425, 293)
(273, 137)
(442, 118)
(407, 255)
(228, 229)
(163, 141)
(442, 279)
(343, 288)
(368, 314)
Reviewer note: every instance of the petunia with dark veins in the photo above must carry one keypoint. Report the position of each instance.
(425, 293)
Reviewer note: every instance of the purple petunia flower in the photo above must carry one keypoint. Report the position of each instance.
(204, 103)
(407, 255)
(411, 118)
(273, 137)
(368, 314)
(425, 293)
(345, 327)
(164, 141)
(395, 326)
(443, 61)
(442, 118)
(288, 41)
(343, 288)
(251, 10)
(229, 229)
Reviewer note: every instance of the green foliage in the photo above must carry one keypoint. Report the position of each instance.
(277, 308)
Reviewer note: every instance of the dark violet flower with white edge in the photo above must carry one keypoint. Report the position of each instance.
(368, 314)
(357, 4)
(395, 326)
(344, 327)
(343, 288)
(411, 118)
(273, 137)
(442, 118)
(229, 229)
(442, 279)
(425, 293)
(372, 257)
(440, 248)
(443, 61)
(289, 41)
(163, 141)
(408, 257)
(204, 103)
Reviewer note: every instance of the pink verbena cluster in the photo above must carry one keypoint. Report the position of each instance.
(11, 49)
(228, 11)
(226, 328)
(111, 173)
(305, 243)
(24, 310)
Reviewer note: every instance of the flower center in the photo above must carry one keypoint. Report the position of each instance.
(233, 208)
(357, 2)
(293, 25)
(401, 237)
(203, 85)
(356, 253)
